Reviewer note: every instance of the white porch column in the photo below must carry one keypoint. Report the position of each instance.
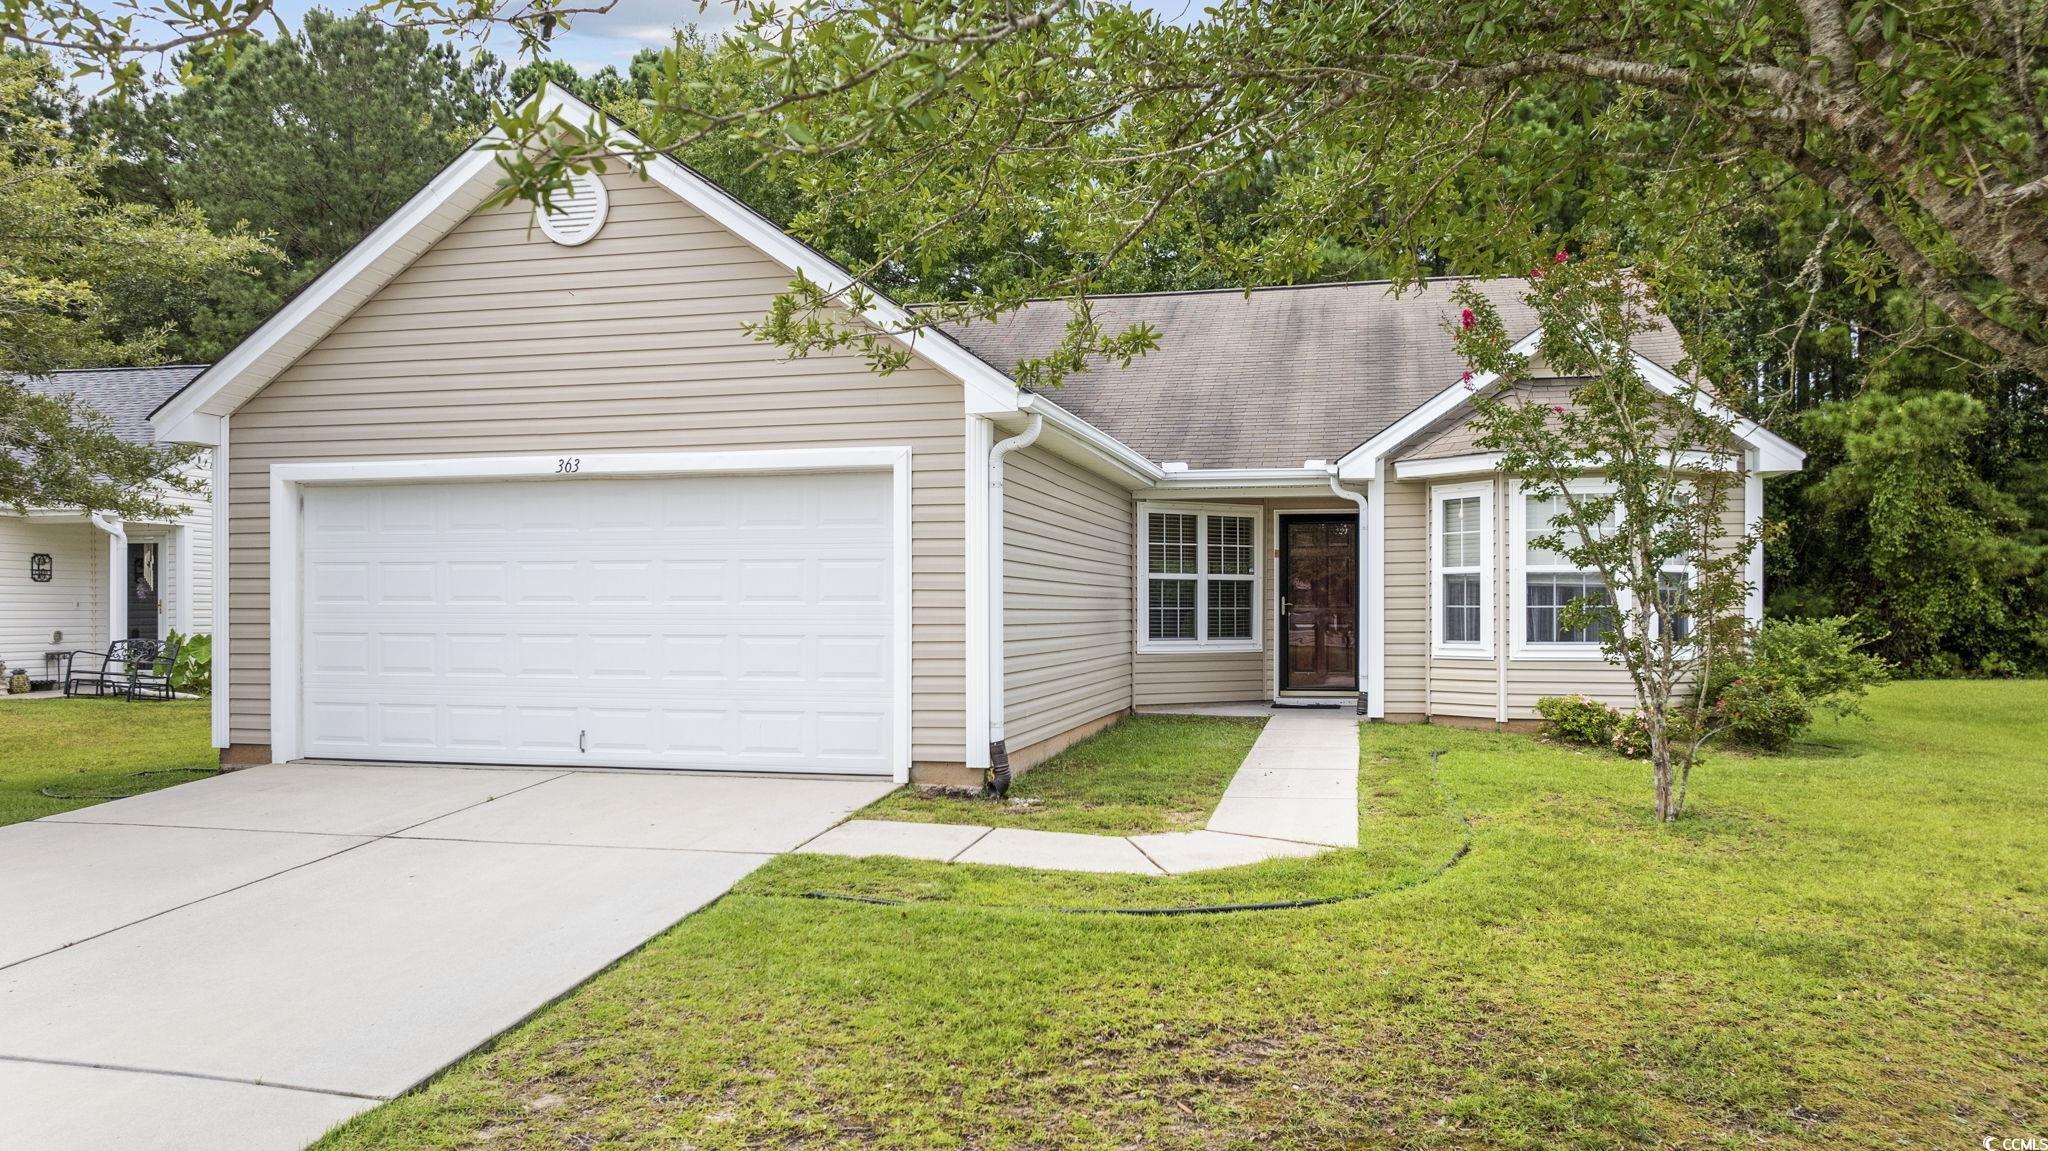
(1752, 520)
(117, 574)
(181, 576)
(1376, 591)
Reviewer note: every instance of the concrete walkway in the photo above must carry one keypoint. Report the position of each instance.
(1295, 794)
(239, 963)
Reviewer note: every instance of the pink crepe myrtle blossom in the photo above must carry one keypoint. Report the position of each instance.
(1561, 256)
(1466, 319)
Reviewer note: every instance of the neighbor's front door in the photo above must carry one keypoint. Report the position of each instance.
(143, 599)
(1319, 603)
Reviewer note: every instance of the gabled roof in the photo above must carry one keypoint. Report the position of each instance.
(193, 414)
(125, 396)
(1268, 378)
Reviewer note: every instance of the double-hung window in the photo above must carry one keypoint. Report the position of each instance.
(1674, 587)
(1461, 520)
(1200, 577)
(1550, 582)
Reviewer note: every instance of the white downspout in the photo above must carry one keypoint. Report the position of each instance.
(117, 574)
(1359, 585)
(998, 751)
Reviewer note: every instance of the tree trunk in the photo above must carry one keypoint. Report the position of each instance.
(1660, 763)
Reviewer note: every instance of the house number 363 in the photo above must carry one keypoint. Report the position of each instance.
(568, 465)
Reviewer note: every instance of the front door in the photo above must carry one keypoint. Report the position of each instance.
(143, 601)
(1319, 603)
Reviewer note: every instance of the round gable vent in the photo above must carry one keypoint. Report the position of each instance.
(577, 212)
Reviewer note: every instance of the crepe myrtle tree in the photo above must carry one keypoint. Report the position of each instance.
(1640, 480)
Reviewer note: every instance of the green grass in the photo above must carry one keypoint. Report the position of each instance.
(1845, 946)
(1148, 773)
(94, 747)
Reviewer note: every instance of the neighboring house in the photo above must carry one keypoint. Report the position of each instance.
(502, 493)
(69, 582)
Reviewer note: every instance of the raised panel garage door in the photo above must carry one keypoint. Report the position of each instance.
(736, 622)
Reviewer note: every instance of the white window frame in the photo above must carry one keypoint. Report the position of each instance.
(1201, 576)
(1439, 494)
(1519, 644)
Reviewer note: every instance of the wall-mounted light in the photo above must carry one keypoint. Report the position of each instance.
(40, 569)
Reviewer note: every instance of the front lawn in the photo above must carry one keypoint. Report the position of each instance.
(93, 748)
(1846, 946)
(1148, 773)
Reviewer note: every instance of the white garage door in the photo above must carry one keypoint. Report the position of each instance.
(740, 622)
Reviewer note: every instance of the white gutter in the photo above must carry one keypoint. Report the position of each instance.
(1358, 588)
(1109, 447)
(117, 574)
(998, 752)
(1242, 477)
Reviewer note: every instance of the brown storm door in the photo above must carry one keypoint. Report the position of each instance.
(1319, 603)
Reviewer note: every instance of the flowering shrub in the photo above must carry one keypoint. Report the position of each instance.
(1578, 719)
(1763, 711)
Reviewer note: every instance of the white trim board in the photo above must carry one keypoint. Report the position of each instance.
(190, 416)
(1775, 454)
(1487, 570)
(287, 480)
(1142, 575)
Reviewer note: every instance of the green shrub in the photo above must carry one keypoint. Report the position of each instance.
(1578, 719)
(1768, 695)
(1818, 658)
(193, 673)
(1762, 711)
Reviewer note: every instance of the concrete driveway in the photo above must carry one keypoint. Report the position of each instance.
(245, 961)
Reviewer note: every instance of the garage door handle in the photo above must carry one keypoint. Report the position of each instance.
(579, 741)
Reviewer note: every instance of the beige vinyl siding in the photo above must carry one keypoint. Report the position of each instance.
(1067, 607)
(1163, 678)
(73, 602)
(497, 341)
(1406, 588)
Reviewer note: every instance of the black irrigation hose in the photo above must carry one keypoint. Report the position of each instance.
(1456, 857)
(46, 793)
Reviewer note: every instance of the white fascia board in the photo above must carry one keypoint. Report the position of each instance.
(1481, 463)
(193, 415)
(214, 392)
(989, 391)
(1776, 455)
(1137, 470)
(1361, 463)
(1447, 466)
(1317, 479)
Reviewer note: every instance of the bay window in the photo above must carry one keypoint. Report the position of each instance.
(1199, 578)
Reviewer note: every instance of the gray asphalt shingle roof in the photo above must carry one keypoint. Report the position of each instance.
(1265, 379)
(125, 396)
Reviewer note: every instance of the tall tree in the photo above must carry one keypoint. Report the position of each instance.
(82, 282)
(313, 138)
